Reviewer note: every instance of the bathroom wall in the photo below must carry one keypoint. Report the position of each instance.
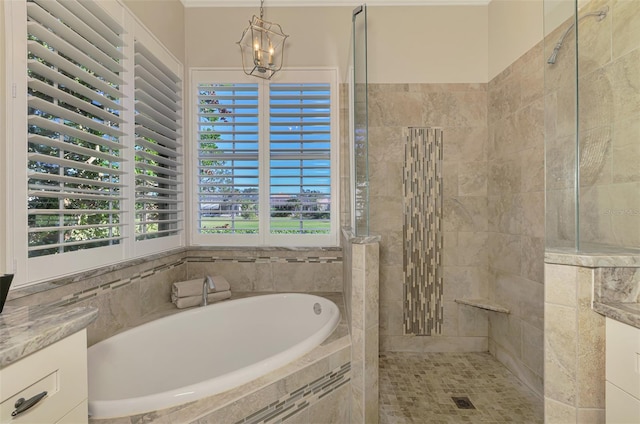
(609, 90)
(461, 110)
(515, 26)
(515, 243)
(165, 19)
(394, 34)
(3, 151)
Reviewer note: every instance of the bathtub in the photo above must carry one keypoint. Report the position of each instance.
(203, 351)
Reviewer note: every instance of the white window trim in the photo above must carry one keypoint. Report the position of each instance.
(34, 270)
(290, 75)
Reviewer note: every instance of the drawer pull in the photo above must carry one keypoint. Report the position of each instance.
(22, 405)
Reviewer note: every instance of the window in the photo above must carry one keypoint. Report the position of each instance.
(157, 157)
(266, 159)
(74, 129)
(95, 122)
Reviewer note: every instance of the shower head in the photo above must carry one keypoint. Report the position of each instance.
(600, 15)
(554, 54)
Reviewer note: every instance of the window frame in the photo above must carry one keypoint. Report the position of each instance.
(35, 270)
(264, 238)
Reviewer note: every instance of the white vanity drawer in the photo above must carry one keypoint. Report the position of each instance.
(60, 369)
(621, 407)
(623, 356)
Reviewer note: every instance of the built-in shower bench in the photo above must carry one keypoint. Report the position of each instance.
(487, 304)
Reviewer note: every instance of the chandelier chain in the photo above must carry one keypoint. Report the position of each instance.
(261, 8)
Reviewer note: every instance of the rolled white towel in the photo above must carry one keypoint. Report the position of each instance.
(188, 302)
(194, 287)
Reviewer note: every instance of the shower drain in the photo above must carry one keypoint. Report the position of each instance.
(463, 402)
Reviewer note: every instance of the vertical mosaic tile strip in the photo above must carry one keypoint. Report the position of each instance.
(422, 231)
(301, 398)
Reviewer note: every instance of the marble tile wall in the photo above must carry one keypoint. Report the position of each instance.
(137, 291)
(364, 332)
(461, 111)
(515, 236)
(609, 91)
(278, 270)
(574, 342)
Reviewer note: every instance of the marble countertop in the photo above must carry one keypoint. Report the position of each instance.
(27, 329)
(627, 313)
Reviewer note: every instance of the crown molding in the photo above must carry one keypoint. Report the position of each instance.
(330, 3)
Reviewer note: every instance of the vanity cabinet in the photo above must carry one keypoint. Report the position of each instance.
(60, 369)
(622, 373)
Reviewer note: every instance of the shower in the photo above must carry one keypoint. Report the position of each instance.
(600, 15)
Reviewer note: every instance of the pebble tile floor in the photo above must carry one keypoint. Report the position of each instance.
(416, 388)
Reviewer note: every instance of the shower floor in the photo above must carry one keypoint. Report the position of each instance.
(417, 388)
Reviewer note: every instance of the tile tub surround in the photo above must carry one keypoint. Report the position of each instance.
(292, 393)
(25, 330)
(138, 291)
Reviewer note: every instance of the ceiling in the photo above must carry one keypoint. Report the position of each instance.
(311, 3)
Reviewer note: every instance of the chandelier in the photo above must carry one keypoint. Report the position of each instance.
(262, 47)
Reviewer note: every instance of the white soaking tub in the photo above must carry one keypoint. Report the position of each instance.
(203, 351)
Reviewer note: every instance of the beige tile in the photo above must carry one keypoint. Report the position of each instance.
(626, 151)
(560, 284)
(596, 156)
(465, 213)
(505, 176)
(504, 252)
(465, 144)
(560, 368)
(333, 408)
(532, 167)
(505, 213)
(532, 348)
(625, 32)
(591, 416)
(472, 179)
(417, 388)
(472, 249)
(533, 214)
(558, 413)
(532, 264)
(624, 75)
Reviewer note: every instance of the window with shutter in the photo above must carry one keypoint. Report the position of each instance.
(266, 159)
(74, 128)
(157, 159)
(95, 121)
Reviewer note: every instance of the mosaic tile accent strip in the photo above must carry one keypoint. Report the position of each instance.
(114, 284)
(301, 398)
(267, 259)
(417, 388)
(422, 231)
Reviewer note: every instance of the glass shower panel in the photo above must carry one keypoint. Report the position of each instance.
(592, 125)
(360, 183)
(560, 81)
(608, 68)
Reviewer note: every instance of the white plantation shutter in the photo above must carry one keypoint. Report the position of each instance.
(74, 127)
(300, 158)
(227, 128)
(266, 162)
(157, 159)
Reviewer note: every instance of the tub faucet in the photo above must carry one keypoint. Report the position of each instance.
(207, 285)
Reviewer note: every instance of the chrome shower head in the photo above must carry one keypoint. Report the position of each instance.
(600, 15)
(554, 54)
